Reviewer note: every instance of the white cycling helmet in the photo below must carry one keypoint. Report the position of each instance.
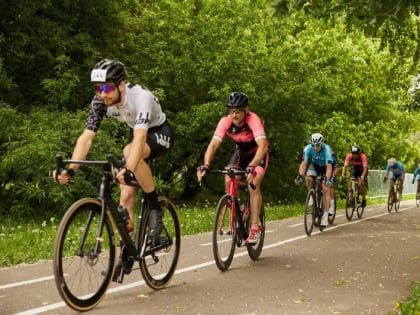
(316, 138)
(391, 161)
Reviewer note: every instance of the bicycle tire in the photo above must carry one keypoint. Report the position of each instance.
(254, 251)
(224, 232)
(82, 276)
(309, 217)
(158, 261)
(350, 207)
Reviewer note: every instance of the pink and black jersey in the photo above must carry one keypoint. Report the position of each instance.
(357, 163)
(246, 136)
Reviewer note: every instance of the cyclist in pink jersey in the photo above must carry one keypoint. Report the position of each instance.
(359, 169)
(246, 129)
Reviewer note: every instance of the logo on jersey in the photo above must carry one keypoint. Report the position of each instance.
(164, 141)
(143, 120)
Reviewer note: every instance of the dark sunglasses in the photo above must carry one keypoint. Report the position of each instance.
(236, 111)
(316, 145)
(106, 88)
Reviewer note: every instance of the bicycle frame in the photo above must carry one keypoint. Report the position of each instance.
(108, 182)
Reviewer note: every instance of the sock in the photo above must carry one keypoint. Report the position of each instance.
(332, 203)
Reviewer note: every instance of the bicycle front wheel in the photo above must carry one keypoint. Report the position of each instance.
(310, 206)
(224, 232)
(359, 209)
(254, 251)
(159, 259)
(390, 202)
(83, 260)
(350, 204)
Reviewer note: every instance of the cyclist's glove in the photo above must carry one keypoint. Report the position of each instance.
(299, 179)
(203, 168)
(250, 170)
(330, 182)
(129, 177)
(69, 171)
(412, 181)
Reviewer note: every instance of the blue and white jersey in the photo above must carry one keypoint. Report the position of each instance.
(397, 169)
(321, 158)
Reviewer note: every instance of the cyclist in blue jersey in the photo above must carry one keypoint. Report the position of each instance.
(396, 169)
(416, 176)
(318, 161)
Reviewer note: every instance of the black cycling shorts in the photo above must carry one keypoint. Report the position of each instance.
(160, 139)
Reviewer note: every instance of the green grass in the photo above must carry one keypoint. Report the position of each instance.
(32, 241)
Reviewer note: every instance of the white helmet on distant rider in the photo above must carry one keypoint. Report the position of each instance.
(316, 138)
(391, 161)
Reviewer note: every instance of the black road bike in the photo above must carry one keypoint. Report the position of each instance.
(85, 248)
(353, 202)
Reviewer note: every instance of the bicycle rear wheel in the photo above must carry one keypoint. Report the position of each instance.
(83, 265)
(350, 204)
(310, 206)
(224, 232)
(254, 251)
(159, 258)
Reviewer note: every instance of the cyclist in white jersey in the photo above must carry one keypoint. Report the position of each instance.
(150, 136)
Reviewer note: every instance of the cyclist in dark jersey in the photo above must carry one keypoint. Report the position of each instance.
(246, 129)
(359, 169)
(150, 135)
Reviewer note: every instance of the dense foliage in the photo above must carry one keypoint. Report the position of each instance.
(303, 74)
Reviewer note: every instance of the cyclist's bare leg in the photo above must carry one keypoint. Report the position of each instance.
(326, 198)
(128, 196)
(401, 186)
(255, 196)
(391, 185)
(362, 188)
(418, 186)
(144, 177)
(309, 180)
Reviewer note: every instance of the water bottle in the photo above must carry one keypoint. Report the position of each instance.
(124, 214)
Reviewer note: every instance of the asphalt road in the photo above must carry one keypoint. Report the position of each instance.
(359, 267)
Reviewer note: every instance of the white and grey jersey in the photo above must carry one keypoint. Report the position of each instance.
(140, 110)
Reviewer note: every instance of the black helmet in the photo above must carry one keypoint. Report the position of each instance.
(237, 99)
(355, 149)
(108, 70)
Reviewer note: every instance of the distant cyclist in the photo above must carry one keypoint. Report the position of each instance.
(359, 169)
(246, 129)
(416, 176)
(396, 169)
(318, 161)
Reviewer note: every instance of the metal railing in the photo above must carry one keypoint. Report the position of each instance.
(378, 189)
